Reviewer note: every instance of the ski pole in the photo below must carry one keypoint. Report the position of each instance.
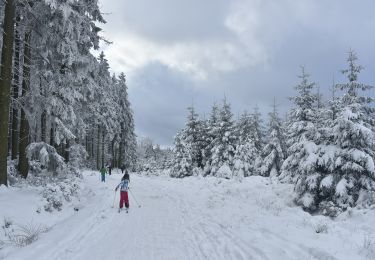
(139, 205)
(114, 199)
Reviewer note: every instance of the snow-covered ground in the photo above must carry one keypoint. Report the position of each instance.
(191, 218)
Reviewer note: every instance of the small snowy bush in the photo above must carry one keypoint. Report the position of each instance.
(23, 235)
(224, 172)
(43, 157)
(367, 248)
(57, 192)
(321, 227)
(7, 222)
(330, 209)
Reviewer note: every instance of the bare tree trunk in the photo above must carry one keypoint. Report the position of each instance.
(121, 145)
(43, 126)
(92, 145)
(113, 158)
(52, 135)
(103, 148)
(5, 85)
(16, 79)
(98, 150)
(23, 164)
(87, 145)
(66, 151)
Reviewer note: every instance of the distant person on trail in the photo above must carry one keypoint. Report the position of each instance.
(123, 168)
(124, 187)
(109, 168)
(103, 171)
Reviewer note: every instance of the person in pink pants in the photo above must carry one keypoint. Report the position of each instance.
(124, 187)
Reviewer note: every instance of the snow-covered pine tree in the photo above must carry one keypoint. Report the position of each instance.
(128, 144)
(246, 154)
(256, 130)
(182, 162)
(211, 133)
(244, 127)
(65, 34)
(192, 136)
(244, 161)
(333, 103)
(348, 174)
(223, 144)
(274, 152)
(301, 132)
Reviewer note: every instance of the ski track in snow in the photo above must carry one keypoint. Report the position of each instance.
(179, 219)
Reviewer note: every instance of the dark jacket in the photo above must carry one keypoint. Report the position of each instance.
(127, 176)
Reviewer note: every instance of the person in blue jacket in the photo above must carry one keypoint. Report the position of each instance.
(124, 187)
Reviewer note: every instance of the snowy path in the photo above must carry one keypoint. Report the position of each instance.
(190, 219)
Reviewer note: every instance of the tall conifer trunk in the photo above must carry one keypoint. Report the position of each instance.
(16, 79)
(98, 150)
(23, 164)
(5, 85)
(103, 148)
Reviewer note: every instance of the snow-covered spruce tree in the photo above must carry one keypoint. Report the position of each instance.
(256, 135)
(211, 131)
(244, 127)
(128, 143)
(348, 160)
(256, 130)
(274, 152)
(246, 154)
(223, 144)
(66, 34)
(334, 104)
(192, 136)
(244, 161)
(301, 133)
(182, 162)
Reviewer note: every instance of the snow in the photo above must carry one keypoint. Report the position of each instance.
(327, 181)
(341, 189)
(44, 156)
(224, 172)
(190, 218)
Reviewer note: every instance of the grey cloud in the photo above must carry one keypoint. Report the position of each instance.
(168, 21)
(263, 42)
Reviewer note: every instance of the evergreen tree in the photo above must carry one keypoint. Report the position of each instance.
(301, 132)
(246, 154)
(128, 143)
(211, 133)
(192, 136)
(256, 130)
(182, 162)
(244, 162)
(244, 128)
(346, 162)
(274, 152)
(223, 144)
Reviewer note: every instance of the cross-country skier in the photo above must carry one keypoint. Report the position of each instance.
(103, 171)
(123, 168)
(124, 187)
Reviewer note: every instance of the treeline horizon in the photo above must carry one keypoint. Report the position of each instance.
(326, 149)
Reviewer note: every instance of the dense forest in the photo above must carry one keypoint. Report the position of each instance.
(56, 97)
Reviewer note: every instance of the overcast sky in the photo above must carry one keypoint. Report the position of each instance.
(179, 52)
